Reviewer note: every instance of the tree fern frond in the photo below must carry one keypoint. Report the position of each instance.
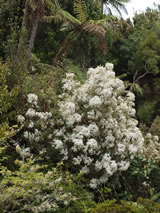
(80, 10)
(52, 6)
(98, 31)
(65, 45)
(119, 7)
(62, 16)
(67, 17)
(67, 26)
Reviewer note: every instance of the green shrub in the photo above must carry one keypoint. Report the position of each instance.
(31, 189)
(142, 179)
(141, 206)
(7, 97)
(45, 82)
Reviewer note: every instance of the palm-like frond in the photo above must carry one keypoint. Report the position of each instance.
(67, 17)
(80, 10)
(117, 4)
(97, 30)
(64, 46)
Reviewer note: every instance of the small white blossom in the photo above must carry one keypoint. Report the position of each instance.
(31, 112)
(95, 102)
(32, 99)
(20, 119)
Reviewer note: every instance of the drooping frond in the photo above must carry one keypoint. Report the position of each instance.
(119, 7)
(70, 38)
(80, 10)
(67, 27)
(117, 4)
(52, 6)
(67, 17)
(61, 16)
(98, 31)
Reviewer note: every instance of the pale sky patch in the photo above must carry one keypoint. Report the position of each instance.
(137, 6)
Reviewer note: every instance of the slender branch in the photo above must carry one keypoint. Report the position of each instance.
(141, 76)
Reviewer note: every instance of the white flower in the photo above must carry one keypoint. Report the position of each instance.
(109, 66)
(25, 152)
(32, 99)
(20, 119)
(95, 102)
(93, 184)
(77, 161)
(148, 136)
(77, 117)
(58, 144)
(31, 112)
(31, 125)
(123, 165)
(85, 170)
(93, 128)
(18, 149)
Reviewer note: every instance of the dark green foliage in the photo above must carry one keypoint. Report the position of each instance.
(146, 112)
(46, 83)
(142, 179)
(10, 18)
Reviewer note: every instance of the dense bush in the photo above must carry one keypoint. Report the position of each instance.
(7, 97)
(97, 132)
(141, 206)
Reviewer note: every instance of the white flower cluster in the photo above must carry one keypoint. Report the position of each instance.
(35, 122)
(32, 99)
(20, 119)
(42, 115)
(99, 133)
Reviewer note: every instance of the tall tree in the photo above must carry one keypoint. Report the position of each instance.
(35, 9)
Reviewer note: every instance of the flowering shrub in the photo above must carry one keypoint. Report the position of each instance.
(35, 125)
(98, 133)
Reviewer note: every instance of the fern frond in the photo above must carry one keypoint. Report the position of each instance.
(70, 38)
(136, 88)
(98, 31)
(67, 17)
(80, 10)
(52, 6)
(67, 27)
(62, 16)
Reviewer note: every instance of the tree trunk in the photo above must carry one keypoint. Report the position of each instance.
(24, 28)
(33, 35)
